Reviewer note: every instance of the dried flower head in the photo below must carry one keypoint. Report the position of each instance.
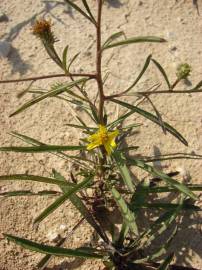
(42, 29)
(183, 71)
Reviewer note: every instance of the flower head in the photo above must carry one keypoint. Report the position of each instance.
(183, 71)
(42, 29)
(103, 137)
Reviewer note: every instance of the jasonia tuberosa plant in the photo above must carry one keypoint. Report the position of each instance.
(104, 163)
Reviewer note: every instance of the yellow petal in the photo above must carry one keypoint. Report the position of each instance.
(102, 129)
(113, 144)
(108, 148)
(93, 145)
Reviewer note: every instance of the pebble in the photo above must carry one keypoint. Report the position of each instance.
(53, 236)
(3, 17)
(5, 48)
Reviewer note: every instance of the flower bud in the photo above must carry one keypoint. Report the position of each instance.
(183, 71)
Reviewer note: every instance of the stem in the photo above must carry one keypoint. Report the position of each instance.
(175, 83)
(143, 93)
(92, 76)
(99, 63)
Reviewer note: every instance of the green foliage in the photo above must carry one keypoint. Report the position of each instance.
(107, 168)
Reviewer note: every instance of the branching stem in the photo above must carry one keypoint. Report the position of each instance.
(99, 63)
(43, 77)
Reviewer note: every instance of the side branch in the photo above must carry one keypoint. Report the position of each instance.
(148, 93)
(91, 76)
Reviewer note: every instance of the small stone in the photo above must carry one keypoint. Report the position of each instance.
(3, 17)
(5, 48)
(173, 48)
(53, 236)
(62, 228)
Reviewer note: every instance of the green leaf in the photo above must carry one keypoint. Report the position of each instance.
(127, 215)
(41, 265)
(147, 62)
(58, 202)
(81, 127)
(162, 250)
(42, 148)
(88, 10)
(170, 189)
(36, 178)
(139, 197)
(80, 206)
(153, 171)
(119, 120)
(122, 235)
(121, 164)
(72, 61)
(51, 93)
(165, 264)
(45, 249)
(79, 10)
(161, 69)
(112, 38)
(135, 40)
(35, 142)
(196, 88)
(152, 118)
(159, 226)
(64, 57)
(28, 193)
(167, 206)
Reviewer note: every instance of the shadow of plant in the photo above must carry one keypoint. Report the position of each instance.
(114, 3)
(15, 59)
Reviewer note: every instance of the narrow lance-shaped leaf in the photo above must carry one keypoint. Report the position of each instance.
(167, 206)
(121, 164)
(127, 215)
(61, 200)
(29, 193)
(42, 148)
(112, 38)
(158, 227)
(41, 265)
(147, 62)
(171, 189)
(135, 40)
(80, 206)
(139, 197)
(153, 171)
(64, 57)
(72, 61)
(88, 10)
(35, 142)
(45, 249)
(50, 93)
(161, 69)
(152, 118)
(35, 178)
(197, 87)
(162, 250)
(73, 5)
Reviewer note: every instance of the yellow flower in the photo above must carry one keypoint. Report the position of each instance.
(103, 137)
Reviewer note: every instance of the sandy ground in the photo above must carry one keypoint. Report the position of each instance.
(177, 21)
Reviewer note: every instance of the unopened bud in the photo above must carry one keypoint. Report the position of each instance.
(183, 71)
